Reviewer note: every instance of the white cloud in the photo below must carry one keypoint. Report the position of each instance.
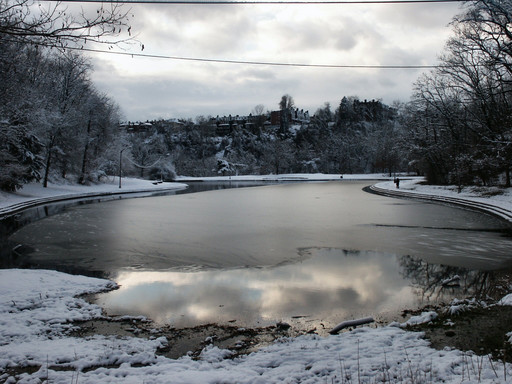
(314, 34)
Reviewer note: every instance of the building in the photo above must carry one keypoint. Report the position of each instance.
(136, 127)
(295, 116)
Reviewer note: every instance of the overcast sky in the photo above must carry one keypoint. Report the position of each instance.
(377, 34)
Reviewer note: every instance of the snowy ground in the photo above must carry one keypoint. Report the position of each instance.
(493, 199)
(289, 177)
(37, 309)
(34, 193)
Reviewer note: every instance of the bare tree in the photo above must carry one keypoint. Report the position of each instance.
(278, 156)
(67, 87)
(487, 24)
(258, 110)
(466, 103)
(54, 24)
(98, 136)
(481, 58)
(259, 116)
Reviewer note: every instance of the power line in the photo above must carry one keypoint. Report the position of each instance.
(244, 62)
(239, 2)
(266, 2)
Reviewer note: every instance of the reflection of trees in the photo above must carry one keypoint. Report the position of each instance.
(432, 281)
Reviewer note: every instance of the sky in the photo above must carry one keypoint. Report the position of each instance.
(341, 34)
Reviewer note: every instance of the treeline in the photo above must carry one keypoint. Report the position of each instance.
(456, 129)
(459, 120)
(52, 119)
(357, 137)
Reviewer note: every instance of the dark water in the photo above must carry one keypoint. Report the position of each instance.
(306, 252)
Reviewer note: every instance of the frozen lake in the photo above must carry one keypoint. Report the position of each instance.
(304, 253)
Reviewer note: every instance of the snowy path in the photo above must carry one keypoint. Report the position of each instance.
(498, 202)
(34, 194)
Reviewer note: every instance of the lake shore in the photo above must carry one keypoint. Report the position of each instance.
(49, 331)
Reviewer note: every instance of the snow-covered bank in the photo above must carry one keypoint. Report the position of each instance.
(37, 306)
(34, 194)
(497, 201)
(289, 177)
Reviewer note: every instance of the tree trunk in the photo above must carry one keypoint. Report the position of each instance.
(84, 159)
(47, 170)
(48, 162)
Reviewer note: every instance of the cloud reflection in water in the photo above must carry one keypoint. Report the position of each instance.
(331, 285)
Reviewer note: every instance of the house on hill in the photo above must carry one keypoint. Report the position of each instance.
(295, 116)
(136, 127)
(227, 124)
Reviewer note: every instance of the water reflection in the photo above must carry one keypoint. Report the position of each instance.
(262, 254)
(328, 286)
(433, 282)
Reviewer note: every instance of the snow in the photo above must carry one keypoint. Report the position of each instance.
(459, 306)
(494, 200)
(37, 308)
(351, 323)
(34, 193)
(288, 177)
(507, 300)
(424, 318)
(451, 281)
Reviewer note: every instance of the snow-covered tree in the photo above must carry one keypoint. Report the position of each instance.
(20, 103)
(67, 87)
(461, 119)
(52, 117)
(285, 106)
(99, 137)
(278, 157)
(20, 161)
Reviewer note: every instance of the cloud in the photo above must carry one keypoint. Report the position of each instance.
(192, 29)
(418, 16)
(235, 90)
(328, 34)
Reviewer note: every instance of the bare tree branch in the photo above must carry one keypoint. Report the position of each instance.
(55, 24)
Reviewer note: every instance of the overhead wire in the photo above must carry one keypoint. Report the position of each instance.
(225, 61)
(240, 2)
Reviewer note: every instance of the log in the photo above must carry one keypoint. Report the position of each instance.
(351, 323)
